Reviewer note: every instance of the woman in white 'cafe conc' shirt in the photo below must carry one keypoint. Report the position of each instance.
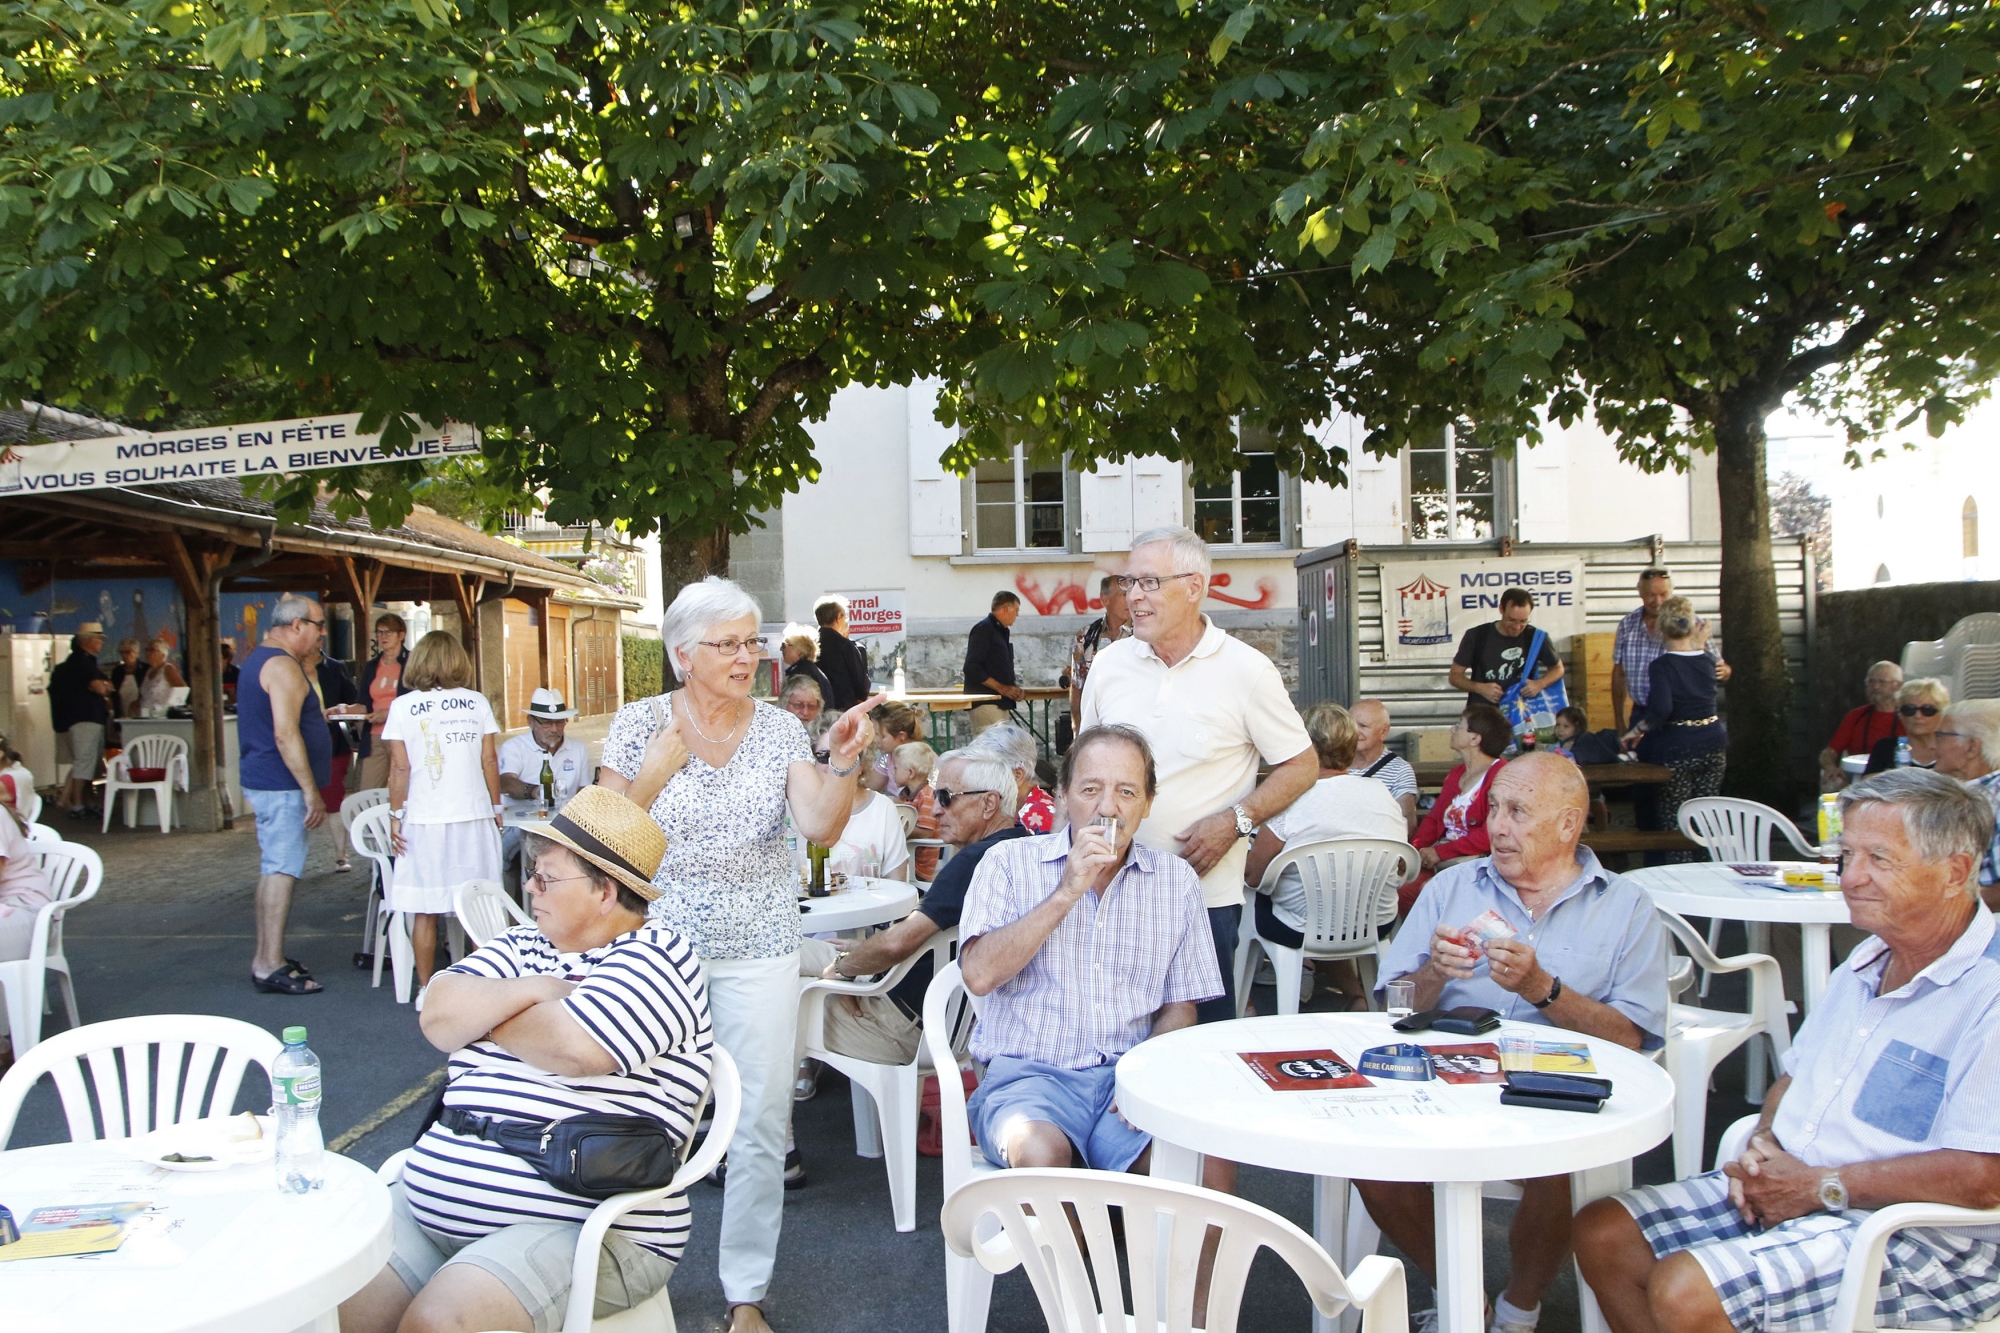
(444, 789)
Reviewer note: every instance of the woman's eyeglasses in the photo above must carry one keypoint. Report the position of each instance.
(731, 647)
(1920, 710)
(538, 882)
(945, 795)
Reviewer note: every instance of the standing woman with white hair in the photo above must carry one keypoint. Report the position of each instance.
(716, 769)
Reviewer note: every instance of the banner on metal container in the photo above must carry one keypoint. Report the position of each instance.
(1428, 605)
(261, 448)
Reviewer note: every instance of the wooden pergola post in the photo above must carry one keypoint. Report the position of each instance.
(203, 805)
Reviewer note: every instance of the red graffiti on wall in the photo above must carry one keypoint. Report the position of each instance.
(1267, 593)
(1067, 593)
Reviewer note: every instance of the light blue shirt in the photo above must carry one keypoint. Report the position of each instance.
(1090, 992)
(1916, 1070)
(1601, 936)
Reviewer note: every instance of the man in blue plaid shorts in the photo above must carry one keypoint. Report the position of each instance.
(1887, 1098)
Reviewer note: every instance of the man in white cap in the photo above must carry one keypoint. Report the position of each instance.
(522, 758)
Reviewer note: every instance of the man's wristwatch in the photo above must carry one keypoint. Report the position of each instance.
(1832, 1194)
(1245, 825)
(1555, 989)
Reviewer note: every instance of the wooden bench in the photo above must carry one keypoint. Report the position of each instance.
(1633, 840)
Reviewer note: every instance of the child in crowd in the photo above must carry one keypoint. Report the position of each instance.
(1571, 722)
(914, 764)
(1575, 740)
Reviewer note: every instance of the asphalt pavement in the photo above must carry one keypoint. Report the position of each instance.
(171, 933)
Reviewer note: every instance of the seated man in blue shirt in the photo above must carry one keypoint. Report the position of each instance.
(1589, 955)
(1887, 1098)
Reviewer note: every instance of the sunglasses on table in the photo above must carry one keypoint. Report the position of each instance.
(1920, 710)
(945, 795)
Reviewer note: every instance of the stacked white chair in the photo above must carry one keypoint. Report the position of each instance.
(1700, 1039)
(655, 1314)
(949, 1012)
(1165, 1226)
(1350, 886)
(1967, 658)
(350, 811)
(484, 910)
(886, 1097)
(166, 754)
(75, 873)
(136, 1094)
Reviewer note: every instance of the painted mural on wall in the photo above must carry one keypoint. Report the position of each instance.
(1071, 592)
(142, 609)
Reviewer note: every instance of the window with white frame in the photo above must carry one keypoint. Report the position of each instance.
(1453, 492)
(1246, 510)
(1018, 504)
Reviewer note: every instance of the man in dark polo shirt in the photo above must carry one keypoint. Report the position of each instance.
(989, 662)
(976, 804)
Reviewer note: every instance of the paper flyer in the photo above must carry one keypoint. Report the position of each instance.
(1304, 1071)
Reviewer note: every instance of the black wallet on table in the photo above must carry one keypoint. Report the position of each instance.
(1555, 1092)
(1468, 1020)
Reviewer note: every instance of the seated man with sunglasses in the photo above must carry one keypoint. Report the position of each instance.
(1920, 704)
(976, 803)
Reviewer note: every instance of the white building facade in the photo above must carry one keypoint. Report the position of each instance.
(886, 517)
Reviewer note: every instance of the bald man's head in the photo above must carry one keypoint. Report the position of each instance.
(1536, 811)
(1371, 728)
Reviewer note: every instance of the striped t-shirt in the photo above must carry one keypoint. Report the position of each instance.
(644, 999)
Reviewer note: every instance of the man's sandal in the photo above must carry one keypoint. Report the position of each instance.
(291, 979)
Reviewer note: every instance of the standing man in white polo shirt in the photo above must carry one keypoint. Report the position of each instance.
(1209, 706)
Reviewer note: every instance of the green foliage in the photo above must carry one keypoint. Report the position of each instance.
(645, 660)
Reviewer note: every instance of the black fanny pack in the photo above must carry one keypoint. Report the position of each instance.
(595, 1155)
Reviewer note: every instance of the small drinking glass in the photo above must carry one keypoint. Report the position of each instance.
(1517, 1051)
(1402, 999)
(1109, 823)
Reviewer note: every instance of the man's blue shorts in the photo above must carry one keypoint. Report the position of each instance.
(1076, 1101)
(281, 830)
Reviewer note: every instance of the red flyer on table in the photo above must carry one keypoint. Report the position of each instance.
(1304, 1071)
(1477, 1062)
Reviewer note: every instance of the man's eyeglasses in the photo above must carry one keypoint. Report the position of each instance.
(731, 647)
(945, 795)
(1920, 710)
(1146, 582)
(317, 624)
(1955, 735)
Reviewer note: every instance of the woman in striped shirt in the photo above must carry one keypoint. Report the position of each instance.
(592, 1009)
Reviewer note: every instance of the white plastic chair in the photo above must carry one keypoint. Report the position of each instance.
(886, 1097)
(75, 873)
(371, 838)
(1733, 829)
(484, 910)
(655, 1314)
(133, 1098)
(1350, 888)
(41, 835)
(1081, 1289)
(350, 810)
(1964, 658)
(950, 1010)
(167, 753)
(909, 815)
(29, 802)
(1699, 1039)
(1860, 1283)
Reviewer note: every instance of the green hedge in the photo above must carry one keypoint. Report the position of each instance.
(644, 659)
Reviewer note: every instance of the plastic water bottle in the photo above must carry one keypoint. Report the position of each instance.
(1903, 751)
(295, 1092)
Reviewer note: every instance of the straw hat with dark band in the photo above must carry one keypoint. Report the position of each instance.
(612, 834)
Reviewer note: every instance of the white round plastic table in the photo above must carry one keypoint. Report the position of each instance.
(1712, 889)
(863, 902)
(1192, 1092)
(525, 815)
(229, 1255)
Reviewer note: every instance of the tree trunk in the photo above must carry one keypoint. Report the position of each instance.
(686, 558)
(1760, 688)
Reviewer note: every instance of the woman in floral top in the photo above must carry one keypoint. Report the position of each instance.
(716, 769)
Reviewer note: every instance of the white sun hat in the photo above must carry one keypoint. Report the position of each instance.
(547, 706)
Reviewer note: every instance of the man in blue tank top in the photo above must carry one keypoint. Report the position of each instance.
(287, 756)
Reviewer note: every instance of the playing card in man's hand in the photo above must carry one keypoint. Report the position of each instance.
(1483, 929)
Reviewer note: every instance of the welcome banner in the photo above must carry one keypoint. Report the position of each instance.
(262, 448)
(1428, 605)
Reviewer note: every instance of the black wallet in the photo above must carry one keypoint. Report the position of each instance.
(1555, 1092)
(1468, 1020)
